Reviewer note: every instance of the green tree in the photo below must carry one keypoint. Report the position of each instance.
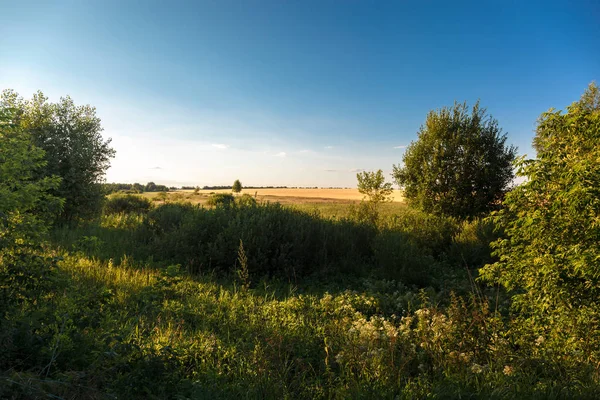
(75, 151)
(26, 207)
(26, 210)
(376, 191)
(550, 255)
(374, 187)
(237, 186)
(460, 164)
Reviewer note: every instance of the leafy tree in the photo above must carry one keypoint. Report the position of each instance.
(71, 137)
(25, 204)
(550, 255)
(375, 190)
(150, 187)
(459, 166)
(237, 186)
(374, 186)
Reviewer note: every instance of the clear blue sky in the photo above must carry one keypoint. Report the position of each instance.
(293, 92)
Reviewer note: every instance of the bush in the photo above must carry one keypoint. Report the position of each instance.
(277, 240)
(126, 203)
(245, 200)
(220, 199)
(549, 257)
(430, 232)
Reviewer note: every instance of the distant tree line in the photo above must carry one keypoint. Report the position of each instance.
(109, 188)
(230, 187)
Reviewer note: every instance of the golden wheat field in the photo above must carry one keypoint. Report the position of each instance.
(296, 195)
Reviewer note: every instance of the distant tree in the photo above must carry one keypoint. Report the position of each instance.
(460, 165)
(150, 187)
(75, 151)
(549, 258)
(237, 186)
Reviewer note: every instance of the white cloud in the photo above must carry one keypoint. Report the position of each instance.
(328, 147)
(281, 154)
(400, 147)
(220, 146)
(357, 170)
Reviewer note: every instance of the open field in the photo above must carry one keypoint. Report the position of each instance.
(329, 202)
(319, 194)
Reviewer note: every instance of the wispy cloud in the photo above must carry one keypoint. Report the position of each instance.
(400, 147)
(331, 170)
(328, 147)
(281, 154)
(155, 167)
(357, 170)
(220, 146)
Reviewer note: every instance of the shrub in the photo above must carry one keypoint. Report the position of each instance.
(277, 240)
(126, 203)
(161, 196)
(220, 199)
(549, 257)
(245, 200)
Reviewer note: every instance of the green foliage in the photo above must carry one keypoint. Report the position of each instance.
(161, 196)
(25, 204)
(220, 200)
(126, 203)
(237, 186)
(277, 240)
(153, 187)
(374, 186)
(75, 151)
(549, 257)
(136, 333)
(26, 209)
(376, 191)
(245, 200)
(460, 164)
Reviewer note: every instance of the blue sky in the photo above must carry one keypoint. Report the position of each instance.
(293, 92)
